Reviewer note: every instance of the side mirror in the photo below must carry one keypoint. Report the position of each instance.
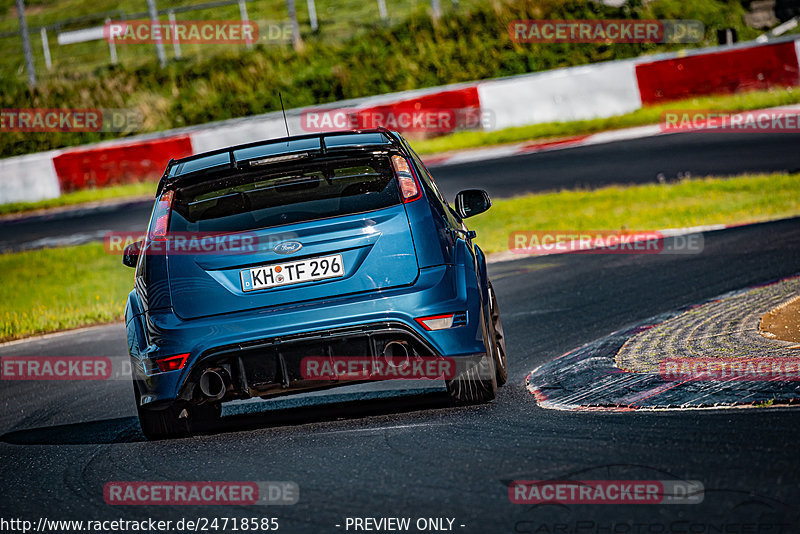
(131, 254)
(472, 202)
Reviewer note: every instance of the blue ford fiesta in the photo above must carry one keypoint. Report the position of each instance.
(260, 257)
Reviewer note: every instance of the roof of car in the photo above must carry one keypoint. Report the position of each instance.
(276, 150)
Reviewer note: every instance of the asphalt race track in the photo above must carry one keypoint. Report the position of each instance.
(632, 161)
(61, 442)
(626, 162)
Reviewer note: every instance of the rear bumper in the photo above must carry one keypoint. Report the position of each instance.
(438, 290)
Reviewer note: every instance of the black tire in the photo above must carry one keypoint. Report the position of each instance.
(469, 386)
(501, 361)
(171, 421)
(206, 416)
(176, 420)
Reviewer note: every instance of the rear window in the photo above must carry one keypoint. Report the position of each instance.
(274, 197)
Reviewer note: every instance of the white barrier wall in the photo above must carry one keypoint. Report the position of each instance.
(223, 134)
(28, 178)
(797, 49)
(574, 93)
(242, 132)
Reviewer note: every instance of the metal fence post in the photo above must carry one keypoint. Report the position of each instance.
(176, 44)
(312, 14)
(26, 43)
(436, 9)
(297, 41)
(245, 19)
(46, 49)
(112, 48)
(382, 9)
(151, 8)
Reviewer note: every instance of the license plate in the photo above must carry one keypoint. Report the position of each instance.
(296, 272)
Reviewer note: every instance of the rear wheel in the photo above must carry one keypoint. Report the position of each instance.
(477, 383)
(171, 421)
(500, 361)
(175, 420)
(206, 416)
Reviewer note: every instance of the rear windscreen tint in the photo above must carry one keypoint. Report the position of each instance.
(273, 197)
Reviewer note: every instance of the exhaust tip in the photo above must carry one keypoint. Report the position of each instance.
(396, 353)
(214, 383)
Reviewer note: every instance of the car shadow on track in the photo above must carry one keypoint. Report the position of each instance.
(127, 430)
(104, 431)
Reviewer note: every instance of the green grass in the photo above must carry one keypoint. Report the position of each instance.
(765, 404)
(83, 197)
(643, 207)
(640, 117)
(339, 20)
(57, 289)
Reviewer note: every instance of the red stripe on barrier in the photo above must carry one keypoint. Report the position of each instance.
(759, 67)
(124, 164)
(535, 146)
(456, 108)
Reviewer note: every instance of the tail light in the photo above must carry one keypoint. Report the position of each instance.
(172, 363)
(436, 322)
(409, 187)
(158, 232)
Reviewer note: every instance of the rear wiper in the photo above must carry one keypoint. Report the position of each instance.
(226, 195)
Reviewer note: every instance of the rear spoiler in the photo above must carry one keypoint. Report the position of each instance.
(231, 164)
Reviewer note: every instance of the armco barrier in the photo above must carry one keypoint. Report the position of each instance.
(457, 99)
(797, 49)
(239, 132)
(28, 177)
(271, 125)
(118, 164)
(729, 71)
(574, 93)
